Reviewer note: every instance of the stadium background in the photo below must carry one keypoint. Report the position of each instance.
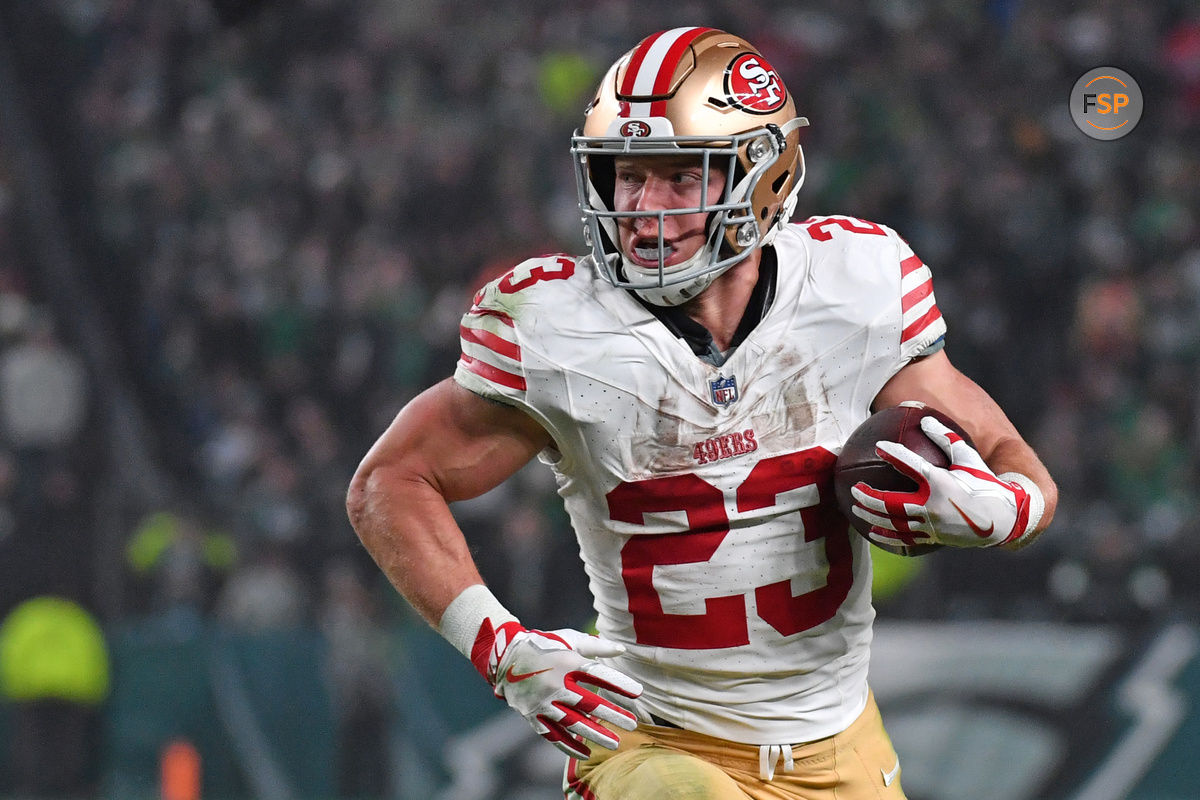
(236, 237)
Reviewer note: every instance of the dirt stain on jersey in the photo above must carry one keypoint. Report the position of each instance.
(798, 403)
(666, 449)
(785, 419)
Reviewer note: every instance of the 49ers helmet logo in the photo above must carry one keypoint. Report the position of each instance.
(635, 128)
(753, 85)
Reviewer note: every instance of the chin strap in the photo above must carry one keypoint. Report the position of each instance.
(678, 293)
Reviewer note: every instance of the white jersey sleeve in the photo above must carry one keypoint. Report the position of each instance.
(506, 316)
(867, 259)
(924, 329)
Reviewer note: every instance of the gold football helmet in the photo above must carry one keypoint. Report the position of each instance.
(701, 91)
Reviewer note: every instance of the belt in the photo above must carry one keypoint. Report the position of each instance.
(663, 723)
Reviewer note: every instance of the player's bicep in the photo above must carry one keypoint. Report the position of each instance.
(455, 441)
(935, 381)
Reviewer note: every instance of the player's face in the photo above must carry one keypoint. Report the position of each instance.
(659, 183)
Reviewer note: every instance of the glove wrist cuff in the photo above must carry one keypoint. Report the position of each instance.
(466, 615)
(1037, 506)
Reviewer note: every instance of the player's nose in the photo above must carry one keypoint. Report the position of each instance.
(646, 226)
(654, 195)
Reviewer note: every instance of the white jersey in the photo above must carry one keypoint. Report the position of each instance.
(702, 496)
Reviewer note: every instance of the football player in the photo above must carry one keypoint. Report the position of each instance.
(690, 382)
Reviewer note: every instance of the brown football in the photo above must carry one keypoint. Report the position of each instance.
(858, 460)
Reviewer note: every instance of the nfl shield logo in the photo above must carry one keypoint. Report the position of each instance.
(724, 390)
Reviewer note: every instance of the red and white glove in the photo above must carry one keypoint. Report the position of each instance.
(553, 679)
(963, 505)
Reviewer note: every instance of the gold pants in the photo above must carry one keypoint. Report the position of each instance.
(659, 763)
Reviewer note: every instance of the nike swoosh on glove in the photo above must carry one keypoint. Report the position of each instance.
(962, 505)
(553, 679)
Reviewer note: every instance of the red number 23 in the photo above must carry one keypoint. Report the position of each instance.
(724, 622)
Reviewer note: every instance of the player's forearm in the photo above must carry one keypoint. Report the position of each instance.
(406, 526)
(1015, 456)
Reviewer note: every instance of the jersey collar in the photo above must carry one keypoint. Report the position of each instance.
(697, 337)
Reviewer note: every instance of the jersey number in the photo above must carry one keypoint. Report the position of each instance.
(528, 273)
(724, 621)
(819, 230)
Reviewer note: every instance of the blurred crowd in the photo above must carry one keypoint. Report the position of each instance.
(47, 474)
(291, 210)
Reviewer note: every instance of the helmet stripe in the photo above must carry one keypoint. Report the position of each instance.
(671, 60)
(635, 62)
(652, 66)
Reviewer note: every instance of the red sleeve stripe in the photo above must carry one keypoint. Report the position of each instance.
(917, 303)
(923, 322)
(492, 373)
(916, 281)
(476, 311)
(915, 296)
(910, 264)
(491, 341)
